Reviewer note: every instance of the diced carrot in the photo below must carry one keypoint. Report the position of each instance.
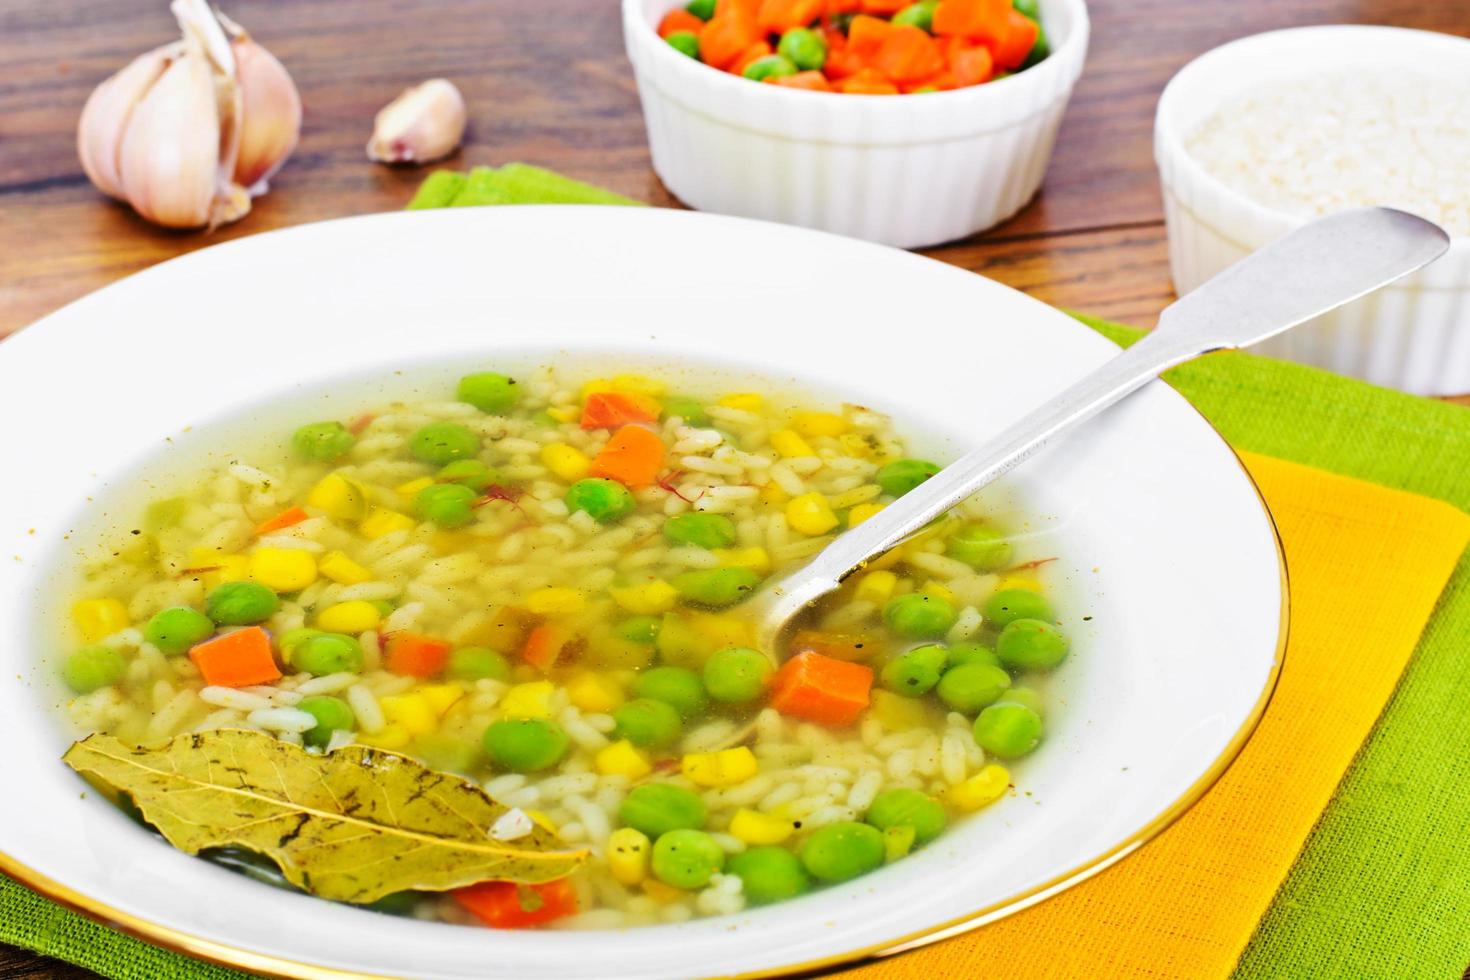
(908, 54)
(726, 36)
(755, 52)
(867, 82)
(821, 689)
(838, 646)
(679, 20)
(942, 82)
(866, 35)
(633, 457)
(414, 655)
(811, 81)
(287, 517)
(507, 905)
(237, 659)
(745, 8)
(835, 7)
(971, 64)
(780, 16)
(1011, 49)
(610, 409)
(843, 62)
(884, 8)
(544, 646)
(978, 20)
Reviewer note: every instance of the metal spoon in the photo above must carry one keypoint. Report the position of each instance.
(1312, 270)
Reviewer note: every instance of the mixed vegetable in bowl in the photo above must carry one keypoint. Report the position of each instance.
(537, 588)
(861, 47)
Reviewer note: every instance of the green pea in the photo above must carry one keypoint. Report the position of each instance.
(1026, 696)
(840, 851)
(688, 409)
(677, 687)
(604, 501)
(176, 629)
(679, 643)
(92, 668)
(1008, 605)
(492, 393)
(446, 504)
(397, 903)
(240, 603)
(331, 714)
(327, 653)
(684, 42)
(1031, 8)
(647, 723)
(291, 639)
(1008, 730)
(804, 48)
(700, 530)
(163, 514)
(770, 66)
(716, 587)
(470, 473)
(914, 674)
(736, 674)
(703, 9)
(686, 859)
(980, 547)
(902, 475)
(477, 663)
(897, 842)
(1031, 644)
(657, 808)
(920, 15)
(446, 753)
(441, 443)
(526, 744)
(323, 441)
(1040, 50)
(908, 808)
(970, 687)
(769, 874)
(639, 629)
(919, 615)
(972, 653)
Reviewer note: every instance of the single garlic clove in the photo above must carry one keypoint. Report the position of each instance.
(271, 109)
(107, 112)
(424, 123)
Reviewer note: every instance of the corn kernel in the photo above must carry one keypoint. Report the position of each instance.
(745, 401)
(222, 567)
(628, 851)
(412, 712)
(772, 495)
(632, 384)
(1019, 580)
(622, 759)
(529, 700)
(97, 618)
(564, 413)
(721, 630)
(336, 566)
(876, 587)
(862, 512)
(789, 444)
(553, 601)
(353, 616)
(858, 446)
(566, 462)
(986, 786)
(661, 893)
(441, 697)
(594, 693)
(390, 737)
(283, 569)
(939, 590)
(898, 713)
(886, 560)
(411, 489)
(756, 559)
(814, 425)
(338, 497)
(381, 521)
(756, 828)
(724, 768)
(810, 514)
(543, 821)
(647, 599)
(898, 840)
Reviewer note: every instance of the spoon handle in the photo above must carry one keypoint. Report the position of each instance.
(1310, 271)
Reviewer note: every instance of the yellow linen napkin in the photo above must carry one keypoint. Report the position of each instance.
(1366, 564)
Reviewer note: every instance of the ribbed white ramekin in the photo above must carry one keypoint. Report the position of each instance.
(907, 170)
(1413, 335)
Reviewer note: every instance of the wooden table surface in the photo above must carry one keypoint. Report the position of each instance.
(547, 83)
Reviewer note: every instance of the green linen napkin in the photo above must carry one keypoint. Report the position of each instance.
(1382, 889)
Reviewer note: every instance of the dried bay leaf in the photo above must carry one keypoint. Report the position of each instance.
(352, 825)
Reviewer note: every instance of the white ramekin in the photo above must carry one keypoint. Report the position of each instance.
(1413, 335)
(907, 170)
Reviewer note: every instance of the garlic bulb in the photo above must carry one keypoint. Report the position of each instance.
(188, 132)
(425, 122)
